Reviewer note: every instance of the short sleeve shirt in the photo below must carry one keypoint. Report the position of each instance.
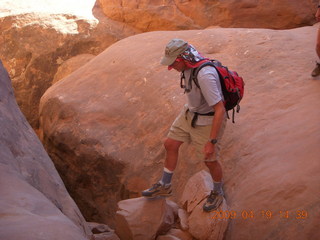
(202, 100)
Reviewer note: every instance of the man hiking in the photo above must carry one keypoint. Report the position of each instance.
(201, 122)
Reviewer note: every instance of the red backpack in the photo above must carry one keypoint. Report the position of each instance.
(232, 85)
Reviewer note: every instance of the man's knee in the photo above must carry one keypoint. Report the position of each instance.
(172, 145)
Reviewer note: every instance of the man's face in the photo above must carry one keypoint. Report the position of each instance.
(318, 15)
(178, 65)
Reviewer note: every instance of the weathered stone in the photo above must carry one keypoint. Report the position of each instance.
(106, 236)
(71, 65)
(103, 176)
(178, 233)
(102, 118)
(174, 206)
(34, 45)
(99, 227)
(102, 231)
(148, 15)
(202, 225)
(167, 237)
(33, 66)
(143, 219)
(207, 226)
(197, 188)
(34, 203)
(183, 219)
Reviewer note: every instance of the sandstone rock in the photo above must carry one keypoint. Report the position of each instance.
(174, 207)
(105, 174)
(197, 188)
(277, 14)
(178, 233)
(106, 236)
(149, 15)
(71, 65)
(102, 231)
(143, 219)
(99, 228)
(33, 66)
(183, 219)
(36, 44)
(34, 203)
(103, 118)
(167, 237)
(202, 225)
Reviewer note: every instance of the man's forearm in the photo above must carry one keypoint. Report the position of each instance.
(219, 115)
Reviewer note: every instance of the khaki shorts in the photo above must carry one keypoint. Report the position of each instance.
(182, 131)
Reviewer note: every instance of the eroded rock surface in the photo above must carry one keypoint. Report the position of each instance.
(34, 203)
(148, 15)
(104, 126)
(203, 225)
(143, 219)
(35, 45)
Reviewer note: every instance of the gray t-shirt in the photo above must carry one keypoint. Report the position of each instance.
(202, 100)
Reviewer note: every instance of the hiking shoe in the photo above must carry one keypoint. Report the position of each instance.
(214, 200)
(316, 70)
(157, 190)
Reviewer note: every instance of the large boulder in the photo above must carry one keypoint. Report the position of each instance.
(36, 42)
(34, 203)
(103, 125)
(102, 231)
(197, 188)
(71, 65)
(143, 219)
(94, 168)
(148, 15)
(175, 234)
(203, 225)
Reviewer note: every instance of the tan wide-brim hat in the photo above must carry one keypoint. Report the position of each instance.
(173, 49)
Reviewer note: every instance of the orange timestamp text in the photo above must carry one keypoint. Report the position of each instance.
(265, 214)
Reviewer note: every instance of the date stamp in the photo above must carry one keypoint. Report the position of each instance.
(262, 214)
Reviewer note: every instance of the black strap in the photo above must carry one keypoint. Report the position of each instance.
(195, 117)
(212, 63)
(182, 79)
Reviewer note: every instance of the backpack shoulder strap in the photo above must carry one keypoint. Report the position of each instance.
(194, 73)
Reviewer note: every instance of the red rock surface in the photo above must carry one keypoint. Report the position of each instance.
(103, 126)
(64, 30)
(37, 38)
(150, 15)
(102, 231)
(203, 225)
(174, 234)
(143, 219)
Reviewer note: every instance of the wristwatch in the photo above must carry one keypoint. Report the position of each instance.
(213, 141)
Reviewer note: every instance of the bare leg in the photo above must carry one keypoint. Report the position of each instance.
(215, 170)
(215, 198)
(172, 147)
(163, 187)
(318, 43)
